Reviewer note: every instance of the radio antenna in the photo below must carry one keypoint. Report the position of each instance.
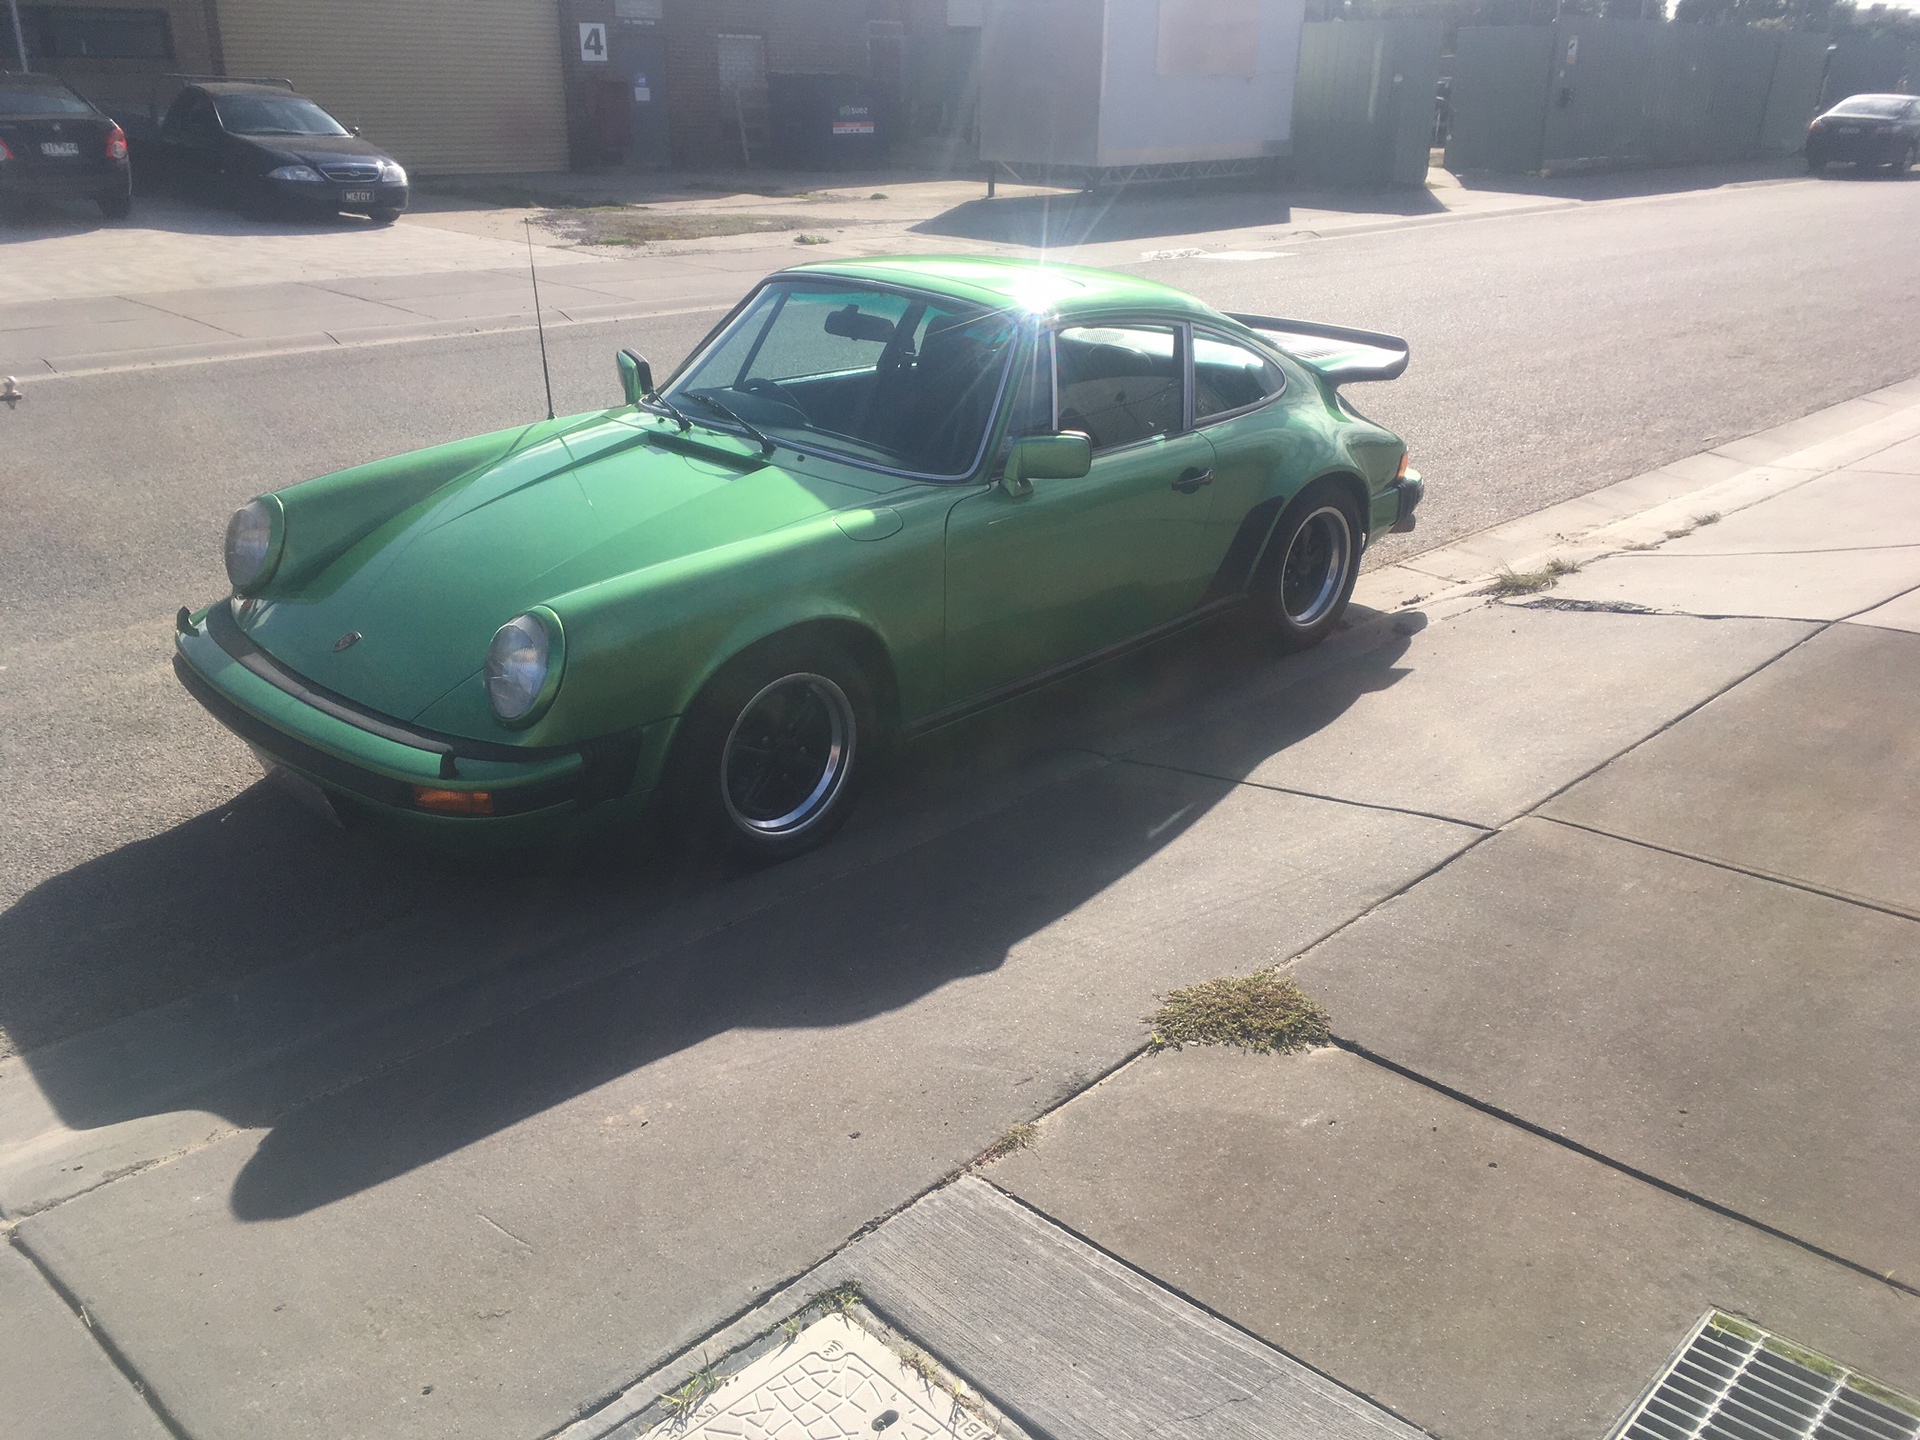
(538, 324)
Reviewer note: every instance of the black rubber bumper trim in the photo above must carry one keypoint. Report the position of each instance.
(343, 775)
(1411, 493)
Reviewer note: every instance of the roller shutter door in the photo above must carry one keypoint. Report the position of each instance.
(448, 86)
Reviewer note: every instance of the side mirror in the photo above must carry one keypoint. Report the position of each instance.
(636, 377)
(354, 130)
(1066, 456)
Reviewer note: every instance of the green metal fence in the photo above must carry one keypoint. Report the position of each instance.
(1363, 103)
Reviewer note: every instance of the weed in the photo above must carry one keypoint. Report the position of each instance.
(637, 225)
(1641, 545)
(878, 195)
(1524, 582)
(1681, 533)
(684, 1401)
(1263, 1012)
(791, 1328)
(841, 1299)
(918, 1362)
(1020, 1137)
(809, 239)
(1707, 519)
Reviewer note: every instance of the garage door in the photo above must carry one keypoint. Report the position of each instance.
(448, 86)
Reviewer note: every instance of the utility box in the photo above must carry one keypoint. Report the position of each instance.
(1125, 88)
(824, 122)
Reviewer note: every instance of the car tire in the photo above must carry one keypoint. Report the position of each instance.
(383, 216)
(771, 757)
(116, 207)
(1904, 165)
(1305, 578)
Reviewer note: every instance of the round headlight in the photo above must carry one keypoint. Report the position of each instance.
(250, 547)
(517, 666)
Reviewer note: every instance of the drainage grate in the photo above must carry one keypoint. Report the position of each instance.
(1737, 1382)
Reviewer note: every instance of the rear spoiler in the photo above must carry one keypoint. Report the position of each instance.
(1340, 355)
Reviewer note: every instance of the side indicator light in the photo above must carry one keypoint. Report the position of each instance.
(1401, 473)
(453, 802)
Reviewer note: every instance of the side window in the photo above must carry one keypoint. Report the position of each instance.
(1119, 383)
(1230, 376)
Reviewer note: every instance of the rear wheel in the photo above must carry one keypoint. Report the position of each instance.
(1904, 165)
(1307, 574)
(774, 751)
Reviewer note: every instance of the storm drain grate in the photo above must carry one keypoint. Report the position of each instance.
(1735, 1381)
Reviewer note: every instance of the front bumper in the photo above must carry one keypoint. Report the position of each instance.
(336, 195)
(424, 781)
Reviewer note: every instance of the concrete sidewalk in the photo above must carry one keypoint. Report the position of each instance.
(1606, 886)
(180, 283)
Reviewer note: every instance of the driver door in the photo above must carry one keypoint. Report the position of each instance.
(1076, 566)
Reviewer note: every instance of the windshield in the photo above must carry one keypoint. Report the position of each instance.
(1873, 107)
(275, 115)
(22, 101)
(901, 381)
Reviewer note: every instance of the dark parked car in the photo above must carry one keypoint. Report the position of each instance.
(269, 151)
(55, 145)
(1867, 130)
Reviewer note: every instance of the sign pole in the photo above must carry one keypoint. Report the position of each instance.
(19, 38)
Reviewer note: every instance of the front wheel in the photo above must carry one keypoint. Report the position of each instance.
(385, 215)
(1306, 577)
(774, 752)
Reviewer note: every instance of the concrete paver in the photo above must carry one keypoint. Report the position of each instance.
(1816, 586)
(699, 1128)
(1477, 1279)
(55, 1381)
(1902, 613)
(1810, 770)
(1645, 1005)
(1458, 727)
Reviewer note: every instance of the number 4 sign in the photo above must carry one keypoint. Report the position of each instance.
(593, 41)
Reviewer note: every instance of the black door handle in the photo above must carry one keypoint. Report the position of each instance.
(1192, 480)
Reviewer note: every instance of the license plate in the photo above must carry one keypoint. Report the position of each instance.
(359, 197)
(60, 149)
(1849, 129)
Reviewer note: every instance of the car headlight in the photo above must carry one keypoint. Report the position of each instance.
(392, 174)
(304, 173)
(253, 543)
(523, 666)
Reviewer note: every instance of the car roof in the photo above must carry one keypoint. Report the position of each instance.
(1006, 283)
(243, 87)
(1876, 95)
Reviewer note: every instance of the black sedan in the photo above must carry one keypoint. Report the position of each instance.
(54, 145)
(271, 152)
(1867, 130)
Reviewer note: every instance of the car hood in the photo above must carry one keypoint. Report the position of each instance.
(426, 591)
(316, 149)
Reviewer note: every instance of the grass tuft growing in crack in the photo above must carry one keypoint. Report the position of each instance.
(1264, 1012)
(684, 1401)
(1525, 582)
(1020, 1137)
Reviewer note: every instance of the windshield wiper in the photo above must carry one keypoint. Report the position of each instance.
(654, 397)
(767, 447)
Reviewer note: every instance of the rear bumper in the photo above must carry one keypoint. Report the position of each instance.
(434, 785)
(40, 183)
(1410, 490)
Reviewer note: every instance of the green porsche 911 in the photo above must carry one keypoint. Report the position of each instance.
(878, 496)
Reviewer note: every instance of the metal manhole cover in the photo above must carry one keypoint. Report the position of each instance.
(1735, 1381)
(834, 1381)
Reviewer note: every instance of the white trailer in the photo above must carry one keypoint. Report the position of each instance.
(1134, 89)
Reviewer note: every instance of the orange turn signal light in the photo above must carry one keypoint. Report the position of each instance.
(1401, 473)
(453, 802)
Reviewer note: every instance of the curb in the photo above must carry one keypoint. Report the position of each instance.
(1646, 509)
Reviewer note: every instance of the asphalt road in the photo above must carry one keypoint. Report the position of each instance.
(1554, 353)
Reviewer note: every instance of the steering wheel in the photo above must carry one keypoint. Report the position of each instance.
(777, 393)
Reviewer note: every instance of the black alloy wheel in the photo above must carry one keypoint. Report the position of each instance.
(1311, 563)
(772, 756)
